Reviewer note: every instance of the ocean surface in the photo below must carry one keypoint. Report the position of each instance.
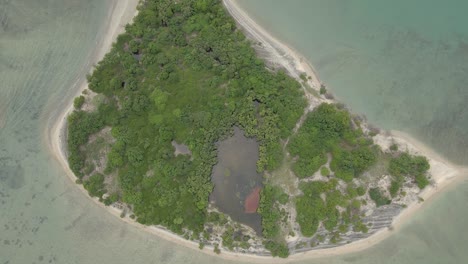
(401, 63)
(404, 65)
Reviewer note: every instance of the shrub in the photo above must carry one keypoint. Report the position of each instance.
(361, 191)
(394, 188)
(279, 249)
(421, 181)
(216, 249)
(78, 102)
(268, 208)
(407, 165)
(323, 89)
(324, 171)
(95, 185)
(114, 197)
(378, 197)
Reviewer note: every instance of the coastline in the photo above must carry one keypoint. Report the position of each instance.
(123, 12)
(444, 173)
(281, 54)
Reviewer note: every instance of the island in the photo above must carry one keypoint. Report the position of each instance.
(199, 124)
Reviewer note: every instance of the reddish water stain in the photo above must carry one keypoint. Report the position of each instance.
(252, 201)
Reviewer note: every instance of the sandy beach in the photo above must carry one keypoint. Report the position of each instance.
(444, 174)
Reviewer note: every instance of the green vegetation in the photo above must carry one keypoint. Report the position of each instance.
(217, 218)
(312, 209)
(360, 227)
(216, 249)
(78, 102)
(406, 165)
(269, 210)
(80, 126)
(270, 199)
(377, 196)
(95, 185)
(303, 77)
(328, 129)
(319, 205)
(395, 187)
(232, 239)
(112, 198)
(277, 249)
(183, 72)
(324, 171)
(323, 89)
(360, 191)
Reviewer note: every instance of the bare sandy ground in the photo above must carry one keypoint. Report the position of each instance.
(443, 172)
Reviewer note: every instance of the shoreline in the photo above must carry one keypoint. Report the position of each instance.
(444, 173)
(287, 57)
(122, 13)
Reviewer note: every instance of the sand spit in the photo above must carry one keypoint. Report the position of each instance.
(123, 11)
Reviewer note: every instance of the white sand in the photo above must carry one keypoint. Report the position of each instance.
(442, 171)
(286, 56)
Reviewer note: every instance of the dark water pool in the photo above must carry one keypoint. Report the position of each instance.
(235, 177)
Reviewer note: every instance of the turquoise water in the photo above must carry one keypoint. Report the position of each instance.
(44, 218)
(403, 64)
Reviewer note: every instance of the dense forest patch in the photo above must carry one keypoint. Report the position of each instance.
(330, 130)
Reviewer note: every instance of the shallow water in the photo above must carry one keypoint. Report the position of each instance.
(44, 218)
(235, 177)
(401, 63)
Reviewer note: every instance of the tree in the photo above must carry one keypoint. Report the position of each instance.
(324, 171)
(95, 185)
(377, 196)
(78, 102)
(406, 165)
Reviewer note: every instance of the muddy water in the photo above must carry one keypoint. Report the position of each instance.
(235, 177)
